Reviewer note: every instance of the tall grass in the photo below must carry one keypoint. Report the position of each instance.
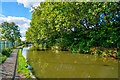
(22, 65)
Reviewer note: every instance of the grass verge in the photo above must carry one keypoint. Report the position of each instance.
(22, 66)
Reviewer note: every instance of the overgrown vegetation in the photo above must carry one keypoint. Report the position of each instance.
(5, 53)
(77, 26)
(22, 65)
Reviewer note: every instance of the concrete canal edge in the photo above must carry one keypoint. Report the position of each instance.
(8, 68)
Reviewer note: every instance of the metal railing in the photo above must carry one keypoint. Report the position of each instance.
(6, 44)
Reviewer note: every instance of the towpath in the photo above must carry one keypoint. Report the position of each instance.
(8, 68)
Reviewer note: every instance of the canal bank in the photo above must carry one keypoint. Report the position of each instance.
(23, 71)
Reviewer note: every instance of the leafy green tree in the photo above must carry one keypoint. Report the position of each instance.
(18, 39)
(10, 31)
(79, 25)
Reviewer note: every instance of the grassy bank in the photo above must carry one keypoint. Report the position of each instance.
(22, 65)
(5, 53)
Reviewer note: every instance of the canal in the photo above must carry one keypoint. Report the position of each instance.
(64, 64)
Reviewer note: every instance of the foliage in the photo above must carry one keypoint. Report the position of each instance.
(2, 58)
(99, 52)
(76, 25)
(18, 39)
(10, 31)
(5, 53)
(22, 65)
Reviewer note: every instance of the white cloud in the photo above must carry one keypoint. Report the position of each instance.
(30, 3)
(23, 31)
(2, 15)
(23, 38)
(24, 25)
(34, 5)
(17, 20)
(22, 22)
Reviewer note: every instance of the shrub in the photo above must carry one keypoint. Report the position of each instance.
(119, 53)
(0, 54)
(4, 51)
(2, 58)
(99, 52)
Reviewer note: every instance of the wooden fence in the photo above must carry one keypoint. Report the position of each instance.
(7, 44)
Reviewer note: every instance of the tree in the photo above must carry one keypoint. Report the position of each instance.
(18, 39)
(10, 31)
(76, 24)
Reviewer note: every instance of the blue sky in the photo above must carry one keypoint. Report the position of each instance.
(19, 12)
(15, 9)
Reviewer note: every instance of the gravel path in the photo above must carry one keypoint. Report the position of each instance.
(8, 68)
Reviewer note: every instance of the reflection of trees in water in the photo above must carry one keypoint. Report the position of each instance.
(50, 64)
(38, 48)
(36, 62)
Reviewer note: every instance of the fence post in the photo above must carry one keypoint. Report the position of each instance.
(13, 44)
(10, 44)
(3, 45)
(6, 44)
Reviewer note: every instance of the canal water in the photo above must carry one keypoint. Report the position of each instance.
(64, 64)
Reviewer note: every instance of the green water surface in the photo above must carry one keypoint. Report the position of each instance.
(64, 64)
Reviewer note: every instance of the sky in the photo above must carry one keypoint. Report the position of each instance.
(19, 12)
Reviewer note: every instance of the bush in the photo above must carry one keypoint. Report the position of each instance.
(4, 51)
(2, 58)
(119, 54)
(99, 52)
(4, 54)
(0, 54)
